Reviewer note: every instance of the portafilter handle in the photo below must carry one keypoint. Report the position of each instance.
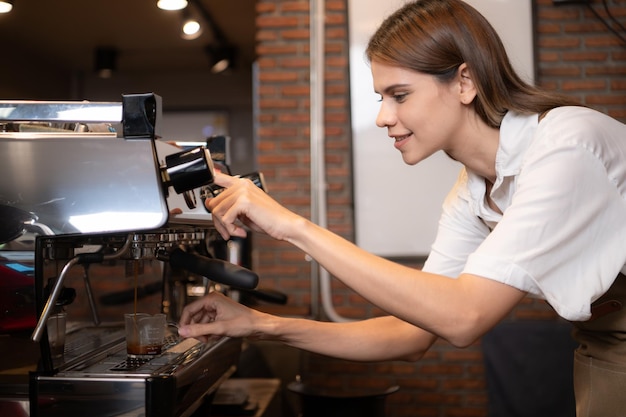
(188, 169)
(216, 270)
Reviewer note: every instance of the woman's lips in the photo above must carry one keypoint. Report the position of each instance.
(400, 140)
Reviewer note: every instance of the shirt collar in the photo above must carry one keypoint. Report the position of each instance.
(516, 133)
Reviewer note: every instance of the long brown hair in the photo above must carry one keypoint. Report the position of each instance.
(437, 36)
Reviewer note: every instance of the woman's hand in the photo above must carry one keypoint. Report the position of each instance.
(242, 202)
(218, 315)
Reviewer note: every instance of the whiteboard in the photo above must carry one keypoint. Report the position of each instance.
(397, 206)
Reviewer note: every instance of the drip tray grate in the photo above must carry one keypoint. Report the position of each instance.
(130, 364)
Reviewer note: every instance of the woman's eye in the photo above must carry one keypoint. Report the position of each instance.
(399, 97)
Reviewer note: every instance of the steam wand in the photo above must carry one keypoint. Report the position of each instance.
(92, 302)
(83, 258)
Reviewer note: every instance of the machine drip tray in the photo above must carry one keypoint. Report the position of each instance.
(130, 364)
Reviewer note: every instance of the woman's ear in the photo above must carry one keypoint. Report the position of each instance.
(467, 88)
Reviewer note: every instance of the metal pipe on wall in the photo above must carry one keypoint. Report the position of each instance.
(320, 278)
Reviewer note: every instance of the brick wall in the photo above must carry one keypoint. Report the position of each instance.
(576, 54)
(579, 56)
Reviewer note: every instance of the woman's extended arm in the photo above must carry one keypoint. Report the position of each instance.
(377, 339)
(458, 310)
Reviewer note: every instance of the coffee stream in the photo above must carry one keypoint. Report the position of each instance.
(136, 275)
(137, 346)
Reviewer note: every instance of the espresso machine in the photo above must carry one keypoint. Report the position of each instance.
(104, 217)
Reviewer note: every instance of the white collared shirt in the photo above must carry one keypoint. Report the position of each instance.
(561, 186)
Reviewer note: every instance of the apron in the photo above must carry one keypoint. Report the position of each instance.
(600, 360)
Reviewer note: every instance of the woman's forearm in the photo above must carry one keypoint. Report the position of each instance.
(458, 310)
(377, 339)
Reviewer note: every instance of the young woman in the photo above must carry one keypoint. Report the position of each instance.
(539, 209)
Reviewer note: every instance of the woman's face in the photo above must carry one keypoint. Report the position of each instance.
(421, 114)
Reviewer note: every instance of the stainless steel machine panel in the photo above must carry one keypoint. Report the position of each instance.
(82, 184)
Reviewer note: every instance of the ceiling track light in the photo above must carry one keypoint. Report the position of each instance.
(221, 57)
(171, 4)
(191, 27)
(105, 61)
(6, 6)
(220, 52)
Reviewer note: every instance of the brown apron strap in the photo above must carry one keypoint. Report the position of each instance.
(612, 301)
(604, 308)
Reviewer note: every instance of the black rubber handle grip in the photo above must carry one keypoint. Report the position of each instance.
(271, 296)
(216, 270)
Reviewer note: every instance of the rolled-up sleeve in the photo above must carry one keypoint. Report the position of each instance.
(459, 233)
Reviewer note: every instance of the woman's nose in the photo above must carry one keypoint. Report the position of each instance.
(385, 116)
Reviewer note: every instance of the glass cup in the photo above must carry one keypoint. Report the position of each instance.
(56, 334)
(145, 334)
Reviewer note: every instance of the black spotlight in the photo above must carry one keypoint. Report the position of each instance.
(105, 61)
(221, 57)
